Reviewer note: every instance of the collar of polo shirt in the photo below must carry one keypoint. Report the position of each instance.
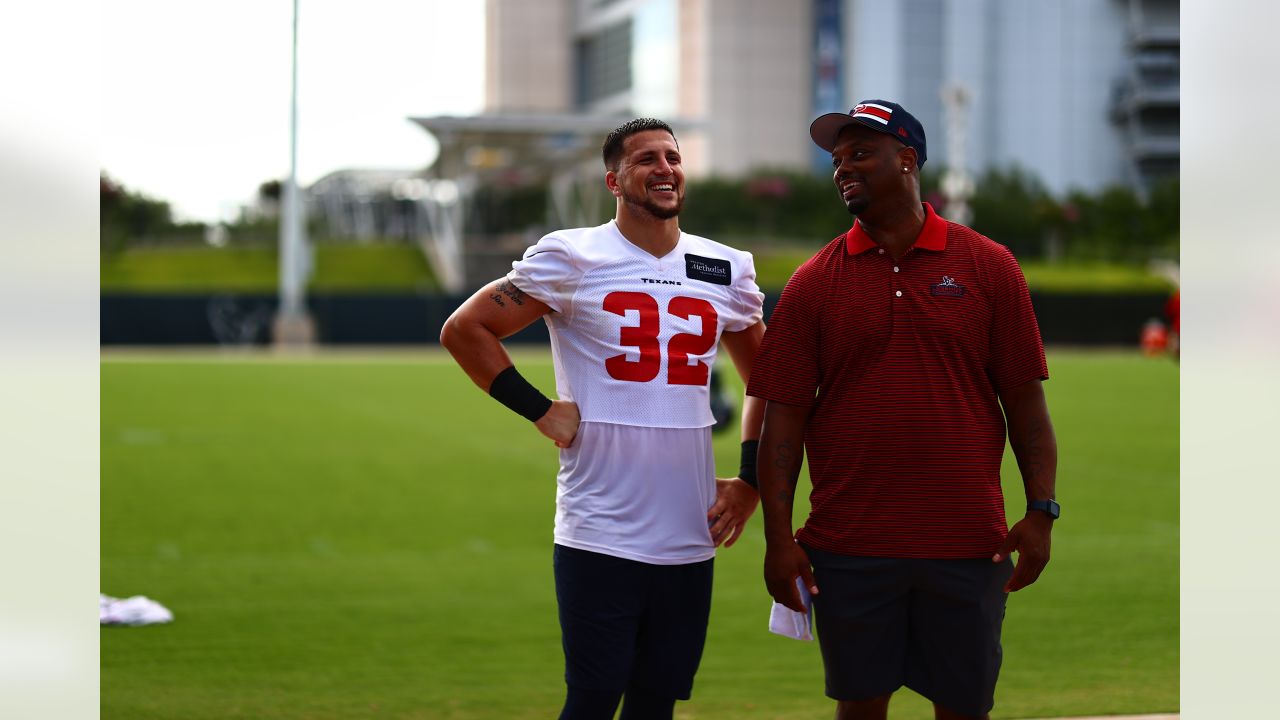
(932, 237)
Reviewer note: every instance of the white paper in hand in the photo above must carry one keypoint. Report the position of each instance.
(789, 623)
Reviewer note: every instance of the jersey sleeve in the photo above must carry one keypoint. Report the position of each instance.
(547, 272)
(1017, 351)
(747, 299)
(786, 369)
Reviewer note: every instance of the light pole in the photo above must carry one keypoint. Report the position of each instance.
(293, 325)
(957, 184)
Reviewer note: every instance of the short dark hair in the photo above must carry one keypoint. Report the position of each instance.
(612, 150)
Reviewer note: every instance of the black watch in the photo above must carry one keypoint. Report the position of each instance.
(1049, 507)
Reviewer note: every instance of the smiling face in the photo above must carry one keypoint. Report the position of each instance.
(869, 167)
(649, 179)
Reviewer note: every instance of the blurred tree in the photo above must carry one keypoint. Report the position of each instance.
(271, 191)
(1014, 209)
(1117, 224)
(124, 215)
(771, 207)
(497, 209)
(1114, 224)
(1163, 221)
(774, 204)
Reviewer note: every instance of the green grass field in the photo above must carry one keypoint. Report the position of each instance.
(398, 267)
(385, 267)
(348, 536)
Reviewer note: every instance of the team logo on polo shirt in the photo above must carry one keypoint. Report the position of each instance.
(947, 288)
(712, 270)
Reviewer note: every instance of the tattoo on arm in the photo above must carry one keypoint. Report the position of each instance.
(516, 294)
(784, 460)
(782, 455)
(497, 299)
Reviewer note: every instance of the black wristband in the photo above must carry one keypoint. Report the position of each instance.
(747, 468)
(511, 389)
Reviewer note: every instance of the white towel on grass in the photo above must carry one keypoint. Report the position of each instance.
(136, 610)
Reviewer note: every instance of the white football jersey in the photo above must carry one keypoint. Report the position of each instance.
(633, 339)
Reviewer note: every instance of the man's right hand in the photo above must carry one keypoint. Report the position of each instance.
(560, 423)
(783, 563)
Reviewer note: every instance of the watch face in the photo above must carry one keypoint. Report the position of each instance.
(1050, 507)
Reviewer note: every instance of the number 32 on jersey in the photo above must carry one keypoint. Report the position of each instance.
(644, 337)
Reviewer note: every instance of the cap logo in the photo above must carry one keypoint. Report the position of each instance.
(872, 111)
(902, 131)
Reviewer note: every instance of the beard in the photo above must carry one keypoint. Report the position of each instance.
(649, 206)
(856, 205)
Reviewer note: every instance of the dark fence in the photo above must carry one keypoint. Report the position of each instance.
(387, 319)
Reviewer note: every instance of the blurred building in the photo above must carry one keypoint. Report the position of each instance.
(1082, 93)
(1079, 93)
(559, 74)
(736, 73)
(368, 204)
(1146, 99)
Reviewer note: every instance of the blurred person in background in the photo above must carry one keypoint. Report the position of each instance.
(894, 358)
(636, 309)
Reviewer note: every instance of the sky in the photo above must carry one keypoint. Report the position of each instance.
(195, 95)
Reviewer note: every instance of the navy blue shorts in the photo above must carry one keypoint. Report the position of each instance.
(931, 625)
(627, 624)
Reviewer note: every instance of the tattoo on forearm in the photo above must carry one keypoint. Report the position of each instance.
(516, 294)
(782, 455)
(785, 460)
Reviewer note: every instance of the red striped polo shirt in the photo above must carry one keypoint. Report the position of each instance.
(901, 363)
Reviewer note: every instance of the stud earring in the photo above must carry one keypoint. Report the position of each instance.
(906, 169)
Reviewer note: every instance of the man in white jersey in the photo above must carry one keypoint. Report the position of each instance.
(636, 310)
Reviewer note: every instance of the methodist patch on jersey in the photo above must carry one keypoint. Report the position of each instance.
(710, 270)
(947, 288)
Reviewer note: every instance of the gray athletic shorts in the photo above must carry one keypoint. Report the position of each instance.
(931, 625)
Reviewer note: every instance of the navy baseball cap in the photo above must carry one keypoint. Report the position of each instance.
(879, 115)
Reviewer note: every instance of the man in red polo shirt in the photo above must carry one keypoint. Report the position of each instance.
(896, 358)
